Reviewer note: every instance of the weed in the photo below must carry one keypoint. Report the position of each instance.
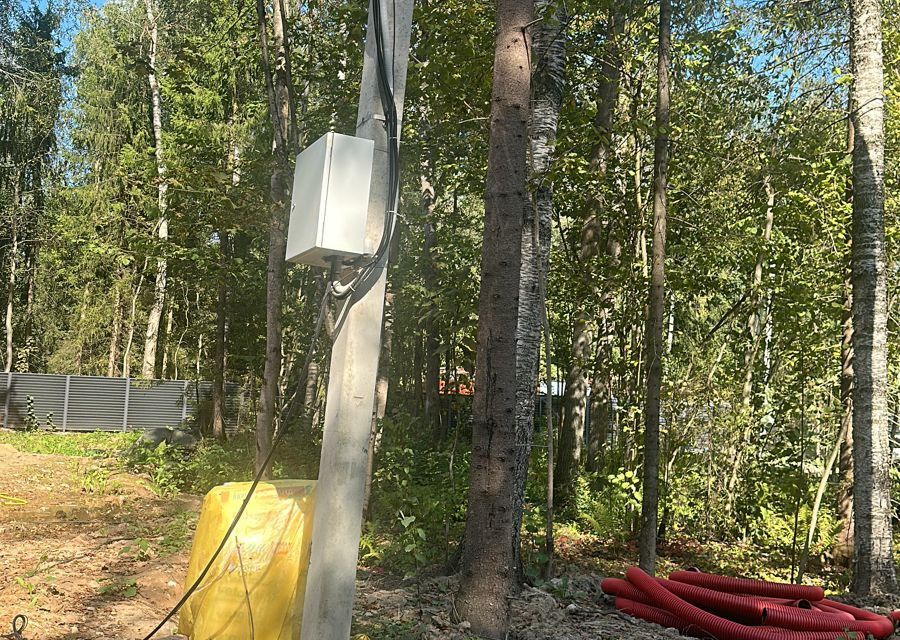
(139, 550)
(119, 587)
(84, 445)
(93, 479)
(29, 587)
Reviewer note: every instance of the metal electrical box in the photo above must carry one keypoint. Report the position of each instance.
(330, 200)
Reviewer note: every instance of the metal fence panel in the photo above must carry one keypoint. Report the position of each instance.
(82, 403)
(95, 403)
(156, 403)
(48, 393)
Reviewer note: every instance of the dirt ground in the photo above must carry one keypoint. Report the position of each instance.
(94, 553)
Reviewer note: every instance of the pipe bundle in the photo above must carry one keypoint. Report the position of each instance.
(704, 605)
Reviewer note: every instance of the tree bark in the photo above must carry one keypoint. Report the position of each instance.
(382, 385)
(218, 387)
(549, 54)
(873, 561)
(657, 303)
(817, 503)
(11, 295)
(571, 433)
(843, 552)
(132, 324)
(151, 339)
(844, 545)
(488, 564)
(112, 363)
(278, 89)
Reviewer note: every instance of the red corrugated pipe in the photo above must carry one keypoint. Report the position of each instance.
(824, 608)
(754, 587)
(718, 627)
(801, 620)
(649, 613)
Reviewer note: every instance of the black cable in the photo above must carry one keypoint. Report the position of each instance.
(389, 108)
(286, 415)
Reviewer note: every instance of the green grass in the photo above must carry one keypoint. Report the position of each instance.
(94, 444)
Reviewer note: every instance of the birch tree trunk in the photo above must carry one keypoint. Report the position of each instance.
(873, 562)
(549, 47)
(657, 308)
(151, 339)
(278, 90)
(11, 295)
(488, 571)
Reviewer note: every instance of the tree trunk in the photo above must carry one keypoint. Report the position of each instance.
(166, 366)
(755, 323)
(432, 339)
(873, 561)
(843, 552)
(817, 504)
(11, 295)
(549, 46)
(151, 339)
(218, 386)
(381, 393)
(112, 363)
(488, 563)
(31, 266)
(549, 542)
(657, 303)
(571, 433)
(278, 89)
(132, 324)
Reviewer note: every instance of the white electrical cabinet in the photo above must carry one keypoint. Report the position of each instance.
(330, 200)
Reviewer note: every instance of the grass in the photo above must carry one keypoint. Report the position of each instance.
(93, 444)
(171, 470)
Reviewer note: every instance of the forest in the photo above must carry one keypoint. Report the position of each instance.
(640, 303)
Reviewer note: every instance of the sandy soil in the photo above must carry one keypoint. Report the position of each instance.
(93, 553)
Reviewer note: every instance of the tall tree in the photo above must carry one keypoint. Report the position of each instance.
(151, 339)
(278, 89)
(873, 567)
(488, 570)
(571, 431)
(657, 303)
(549, 46)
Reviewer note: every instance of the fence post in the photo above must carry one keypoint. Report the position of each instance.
(125, 408)
(184, 403)
(8, 392)
(66, 403)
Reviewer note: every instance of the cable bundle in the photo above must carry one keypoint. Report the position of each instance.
(704, 605)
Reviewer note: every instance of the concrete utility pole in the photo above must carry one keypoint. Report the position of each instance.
(337, 523)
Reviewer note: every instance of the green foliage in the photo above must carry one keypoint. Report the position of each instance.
(93, 479)
(172, 469)
(90, 444)
(31, 420)
(417, 508)
(118, 588)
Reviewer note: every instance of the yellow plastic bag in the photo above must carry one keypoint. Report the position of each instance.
(255, 587)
